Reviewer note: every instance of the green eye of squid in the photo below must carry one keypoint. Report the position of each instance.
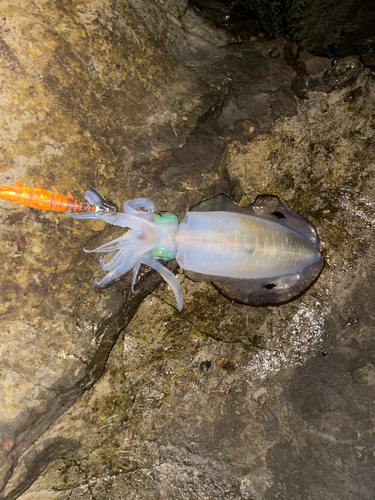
(162, 253)
(164, 218)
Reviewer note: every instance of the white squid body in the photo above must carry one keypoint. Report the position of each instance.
(232, 245)
(262, 254)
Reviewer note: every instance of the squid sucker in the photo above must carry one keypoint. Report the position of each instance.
(262, 254)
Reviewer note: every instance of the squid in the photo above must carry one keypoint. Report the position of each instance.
(262, 254)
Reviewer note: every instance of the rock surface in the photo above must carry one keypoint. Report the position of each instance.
(323, 27)
(222, 400)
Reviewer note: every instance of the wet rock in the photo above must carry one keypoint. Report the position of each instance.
(333, 29)
(80, 102)
(205, 366)
(342, 74)
(317, 74)
(193, 22)
(300, 376)
(93, 100)
(368, 60)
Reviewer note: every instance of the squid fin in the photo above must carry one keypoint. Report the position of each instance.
(271, 291)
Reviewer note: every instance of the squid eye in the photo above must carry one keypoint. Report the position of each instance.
(164, 218)
(162, 253)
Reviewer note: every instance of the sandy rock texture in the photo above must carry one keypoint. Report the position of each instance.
(223, 400)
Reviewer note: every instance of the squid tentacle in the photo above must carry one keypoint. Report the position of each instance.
(135, 274)
(123, 255)
(115, 274)
(113, 245)
(134, 206)
(169, 277)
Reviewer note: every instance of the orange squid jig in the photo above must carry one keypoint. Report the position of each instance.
(52, 200)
